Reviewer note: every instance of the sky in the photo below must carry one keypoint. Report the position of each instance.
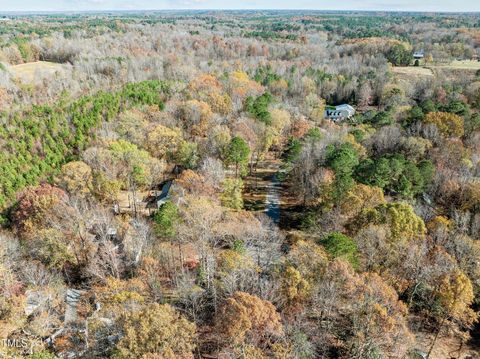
(393, 5)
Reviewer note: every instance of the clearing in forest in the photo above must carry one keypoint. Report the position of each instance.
(28, 71)
(412, 71)
(464, 65)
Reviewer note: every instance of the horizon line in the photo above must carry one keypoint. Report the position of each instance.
(100, 11)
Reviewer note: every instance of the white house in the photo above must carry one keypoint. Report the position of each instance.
(340, 112)
(418, 55)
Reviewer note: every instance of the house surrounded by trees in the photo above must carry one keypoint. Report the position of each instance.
(418, 55)
(340, 112)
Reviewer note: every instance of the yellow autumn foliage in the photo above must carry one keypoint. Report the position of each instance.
(448, 124)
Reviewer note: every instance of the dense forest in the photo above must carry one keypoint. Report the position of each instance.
(171, 186)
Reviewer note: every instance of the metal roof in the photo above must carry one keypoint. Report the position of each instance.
(344, 107)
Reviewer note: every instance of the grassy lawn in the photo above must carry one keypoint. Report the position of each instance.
(467, 65)
(412, 71)
(26, 72)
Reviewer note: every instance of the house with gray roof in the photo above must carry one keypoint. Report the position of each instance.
(339, 113)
